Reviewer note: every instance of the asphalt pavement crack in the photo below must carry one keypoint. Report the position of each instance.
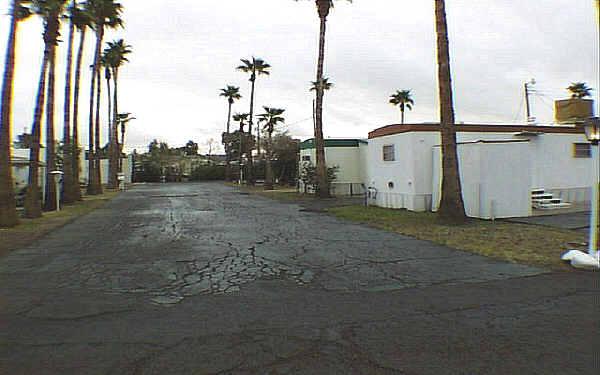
(79, 317)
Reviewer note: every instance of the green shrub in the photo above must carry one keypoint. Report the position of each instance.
(208, 173)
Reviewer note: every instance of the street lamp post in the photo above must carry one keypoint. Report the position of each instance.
(592, 133)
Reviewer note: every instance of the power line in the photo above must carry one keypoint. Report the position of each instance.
(299, 121)
(520, 109)
(543, 100)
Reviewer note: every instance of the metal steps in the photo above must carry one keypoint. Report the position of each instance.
(542, 200)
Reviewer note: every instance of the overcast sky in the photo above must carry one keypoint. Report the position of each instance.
(186, 51)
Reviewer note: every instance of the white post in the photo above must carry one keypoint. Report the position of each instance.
(56, 176)
(593, 232)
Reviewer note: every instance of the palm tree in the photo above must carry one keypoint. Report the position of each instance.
(107, 76)
(255, 68)
(49, 11)
(324, 85)
(82, 20)
(402, 99)
(57, 8)
(272, 117)
(232, 93)
(241, 118)
(103, 13)
(579, 90)
(451, 208)
(68, 186)
(8, 212)
(122, 120)
(115, 56)
(322, 189)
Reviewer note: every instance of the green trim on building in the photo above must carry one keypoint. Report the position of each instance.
(310, 143)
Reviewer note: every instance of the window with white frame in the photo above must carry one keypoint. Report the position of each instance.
(305, 157)
(582, 150)
(388, 153)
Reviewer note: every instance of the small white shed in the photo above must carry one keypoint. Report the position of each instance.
(349, 155)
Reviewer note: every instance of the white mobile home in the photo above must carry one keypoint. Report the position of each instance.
(500, 165)
(349, 155)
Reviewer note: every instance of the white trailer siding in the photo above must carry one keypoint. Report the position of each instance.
(404, 182)
(495, 180)
(499, 171)
(556, 170)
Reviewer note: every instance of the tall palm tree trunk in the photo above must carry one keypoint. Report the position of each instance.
(50, 203)
(229, 116)
(94, 184)
(322, 190)
(451, 205)
(114, 156)
(258, 141)
(249, 174)
(75, 143)
(97, 156)
(110, 144)
(33, 204)
(68, 187)
(268, 167)
(402, 114)
(8, 212)
(91, 174)
(240, 167)
(228, 151)
(109, 124)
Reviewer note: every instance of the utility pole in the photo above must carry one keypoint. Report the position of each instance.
(528, 90)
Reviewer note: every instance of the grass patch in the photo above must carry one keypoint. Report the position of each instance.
(282, 193)
(518, 243)
(29, 230)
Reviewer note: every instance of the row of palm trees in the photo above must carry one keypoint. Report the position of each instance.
(451, 205)
(271, 118)
(97, 15)
(255, 68)
(319, 86)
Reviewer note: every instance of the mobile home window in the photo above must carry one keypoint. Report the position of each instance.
(306, 158)
(582, 150)
(388, 153)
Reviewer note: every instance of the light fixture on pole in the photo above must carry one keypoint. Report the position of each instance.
(592, 130)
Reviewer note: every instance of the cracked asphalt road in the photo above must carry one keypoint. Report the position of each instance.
(200, 279)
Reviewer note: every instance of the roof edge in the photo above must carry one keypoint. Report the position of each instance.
(480, 128)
